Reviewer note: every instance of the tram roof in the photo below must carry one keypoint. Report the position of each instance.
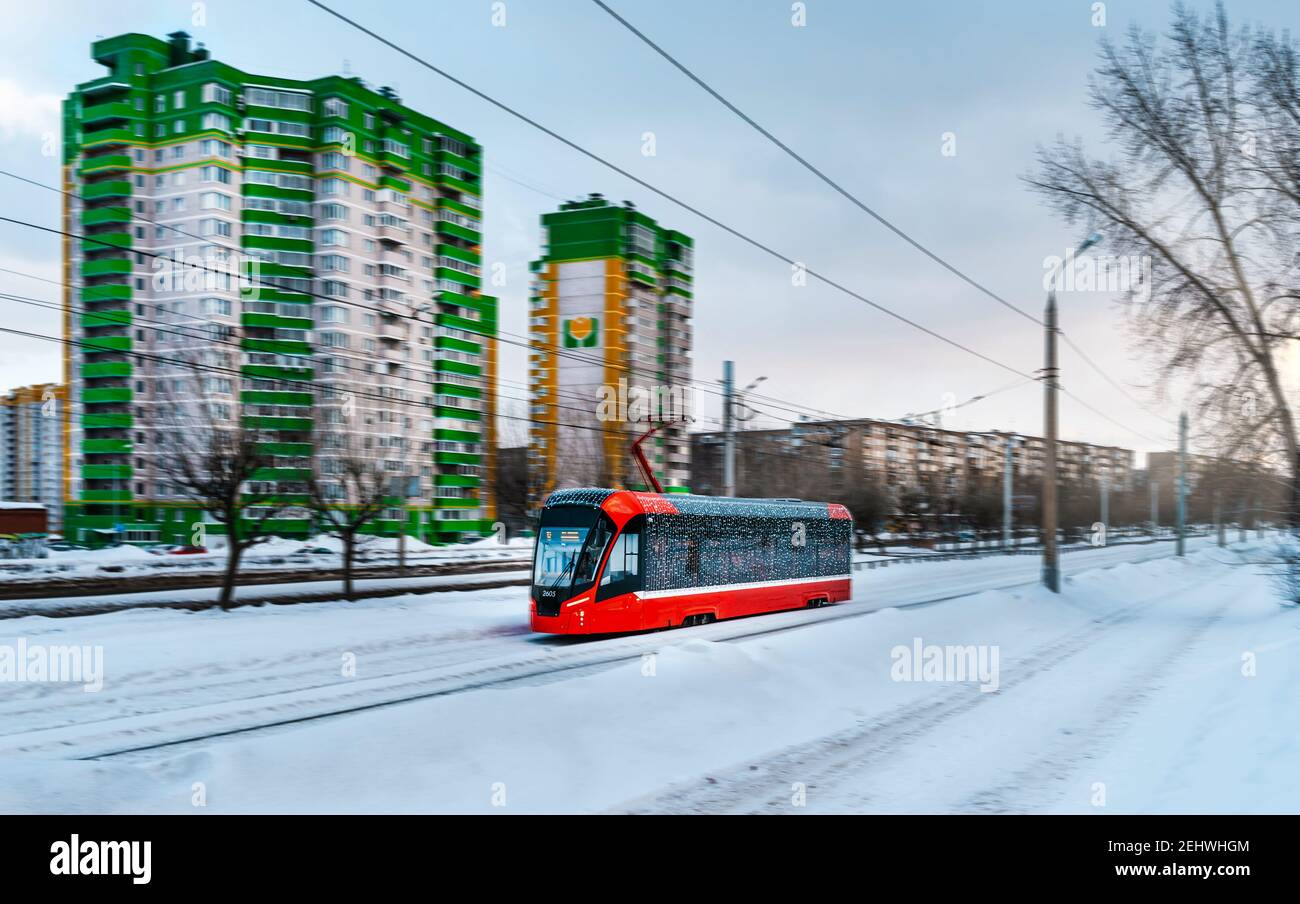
(690, 504)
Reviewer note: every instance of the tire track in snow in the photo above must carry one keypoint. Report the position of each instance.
(765, 784)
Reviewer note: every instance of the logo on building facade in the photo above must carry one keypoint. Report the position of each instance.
(581, 332)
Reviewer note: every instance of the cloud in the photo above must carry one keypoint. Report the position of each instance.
(26, 115)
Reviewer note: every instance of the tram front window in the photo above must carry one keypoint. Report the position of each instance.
(560, 538)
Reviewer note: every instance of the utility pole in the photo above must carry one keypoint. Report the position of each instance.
(1051, 563)
(1219, 527)
(1182, 483)
(1155, 503)
(728, 429)
(1006, 491)
(1105, 502)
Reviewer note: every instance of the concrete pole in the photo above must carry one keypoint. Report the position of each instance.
(1007, 454)
(1219, 527)
(1051, 562)
(1105, 502)
(1182, 484)
(1155, 504)
(729, 429)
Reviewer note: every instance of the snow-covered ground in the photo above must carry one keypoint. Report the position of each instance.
(1128, 688)
(277, 553)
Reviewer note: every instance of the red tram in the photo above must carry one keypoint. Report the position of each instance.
(613, 560)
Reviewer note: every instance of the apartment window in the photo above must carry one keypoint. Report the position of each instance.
(216, 94)
(333, 212)
(216, 121)
(334, 237)
(216, 174)
(220, 306)
(334, 161)
(179, 100)
(211, 200)
(333, 314)
(456, 147)
(215, 227)
(284, 100)
(369, 120)
(160, 103)
(334, 106)
(211, 147)
(278, 127)
(178, 126)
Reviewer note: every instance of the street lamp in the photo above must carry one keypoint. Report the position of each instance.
(1051, 384)
(730, 400)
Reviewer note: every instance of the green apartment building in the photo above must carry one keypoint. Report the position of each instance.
(348, 227)
(610, 318)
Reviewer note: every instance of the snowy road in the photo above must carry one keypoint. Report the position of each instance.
(257, 700)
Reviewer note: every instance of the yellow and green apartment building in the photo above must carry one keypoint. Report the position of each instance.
(610, 314)
(351, 316)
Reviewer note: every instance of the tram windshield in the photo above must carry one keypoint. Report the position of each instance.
(560, 537)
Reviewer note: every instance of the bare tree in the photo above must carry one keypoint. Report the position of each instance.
(1204, 193)
(208, 456)
(353, 495)
(510, 487)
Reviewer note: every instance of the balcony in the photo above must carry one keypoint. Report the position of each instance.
(106, 241)
(116, 188)
(110, 395)
(105, 164)
(98, 319)
(110, 111)
(98, 216)
(107, 137)
(92, 294)
(394, 234)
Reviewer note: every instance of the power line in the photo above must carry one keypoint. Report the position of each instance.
(173, 329)
(660, 192)
(198, 333)
(860, 204)
(526, 342)
(214, 368)
(814, 170)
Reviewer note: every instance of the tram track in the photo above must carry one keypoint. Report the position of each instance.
(141, 735)
(56, 587)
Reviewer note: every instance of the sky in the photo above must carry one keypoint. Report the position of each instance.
(872, 93)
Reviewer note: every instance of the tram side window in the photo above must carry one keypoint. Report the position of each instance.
(584, 572)
(623, 572)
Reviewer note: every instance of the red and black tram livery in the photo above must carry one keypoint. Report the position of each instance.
(609, 561)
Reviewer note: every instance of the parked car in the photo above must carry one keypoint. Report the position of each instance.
(314, 551)
(187, 550)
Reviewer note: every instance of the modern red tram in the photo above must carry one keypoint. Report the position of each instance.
(613, 560)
